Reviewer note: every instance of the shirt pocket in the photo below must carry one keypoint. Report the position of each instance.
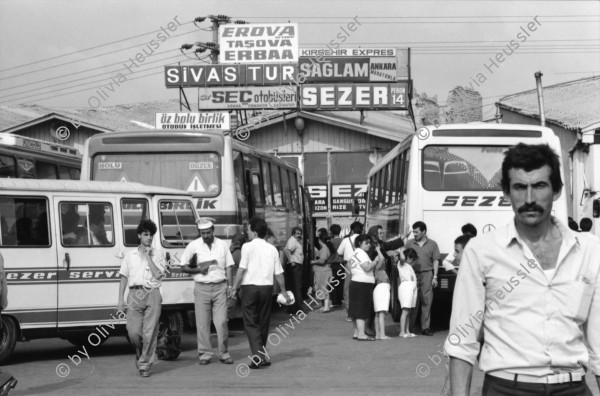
(579, 299)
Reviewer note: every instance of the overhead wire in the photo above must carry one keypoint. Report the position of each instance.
(88, 49)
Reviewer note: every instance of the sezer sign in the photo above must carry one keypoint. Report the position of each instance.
(370, 96)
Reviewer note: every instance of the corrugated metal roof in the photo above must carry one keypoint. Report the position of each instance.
(391, 125)
(114, 118)
(85, 187)
(572, 105)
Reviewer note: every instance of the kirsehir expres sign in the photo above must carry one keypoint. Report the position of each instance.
(258, 43)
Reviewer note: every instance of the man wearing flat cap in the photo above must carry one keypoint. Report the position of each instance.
(210, 261)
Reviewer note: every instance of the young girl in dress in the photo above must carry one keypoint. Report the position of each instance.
(381, 300)
(407, 291)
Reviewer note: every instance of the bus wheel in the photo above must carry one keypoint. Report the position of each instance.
(169, 335)
(395, 308)
(8, 337)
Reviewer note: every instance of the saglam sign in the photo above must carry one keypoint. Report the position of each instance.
(372, 96)
(258, 43)
(348, 69)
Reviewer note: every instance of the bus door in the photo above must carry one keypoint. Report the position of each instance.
(176, 229)
(255, 192)
(90, 253)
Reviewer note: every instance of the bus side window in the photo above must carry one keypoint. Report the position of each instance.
(46, 170)
(268, 183)
(177, 223)
(100, 230)
(24, 222)
(72, 235)
(8, 167)
(294, 189)
(285, 182)
(277, 190)
(238, 171)
(134, 211)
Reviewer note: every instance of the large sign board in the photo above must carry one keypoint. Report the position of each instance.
(192, 121)
(380, 65)
(229, 98)
(342, 197)
(372, 96)
(345, 52)
(225, 75)
(258, 43)
(347, 69)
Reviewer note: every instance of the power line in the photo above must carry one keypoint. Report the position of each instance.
(88, 77)
(79, 72)
(84, 59)
(80, 85)
(88, 49)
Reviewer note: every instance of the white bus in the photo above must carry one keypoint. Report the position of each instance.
(63, 243)
(230, 181)
(27, 158)
(448, 176)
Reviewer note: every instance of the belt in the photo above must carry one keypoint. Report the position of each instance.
(558, 378)
(211, 283)
(138, 287)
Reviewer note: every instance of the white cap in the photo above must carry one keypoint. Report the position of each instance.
(205, 223)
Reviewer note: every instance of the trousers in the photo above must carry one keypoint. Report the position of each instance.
(143, 314)
(210, 303)
(256, 313)
(424, 300)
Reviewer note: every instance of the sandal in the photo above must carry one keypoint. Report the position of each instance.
(366, 339)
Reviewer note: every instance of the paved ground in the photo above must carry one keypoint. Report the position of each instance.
(316, 356)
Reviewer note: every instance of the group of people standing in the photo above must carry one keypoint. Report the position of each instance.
(354, 271)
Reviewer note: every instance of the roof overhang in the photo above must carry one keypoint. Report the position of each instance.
(54, 116)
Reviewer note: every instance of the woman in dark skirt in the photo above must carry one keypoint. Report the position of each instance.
(362, 285)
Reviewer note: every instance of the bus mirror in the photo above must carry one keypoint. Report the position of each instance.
(596, 208)
(355, 207)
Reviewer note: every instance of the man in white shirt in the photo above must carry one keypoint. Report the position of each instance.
(533, 286)
(142, 271)
(259, 264)
(213, 284)
(294, 253)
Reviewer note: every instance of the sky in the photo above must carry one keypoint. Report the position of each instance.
(58, 53)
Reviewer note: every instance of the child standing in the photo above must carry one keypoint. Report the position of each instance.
(407, 291)
(381, 300)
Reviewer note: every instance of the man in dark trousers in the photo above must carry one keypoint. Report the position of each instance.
(254, 281)
(337, 270)
(426, 269)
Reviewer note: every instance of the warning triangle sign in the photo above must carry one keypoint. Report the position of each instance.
(196, 186)
(123, 179)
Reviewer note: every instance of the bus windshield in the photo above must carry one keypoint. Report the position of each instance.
(462, 168)
(199, 173)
